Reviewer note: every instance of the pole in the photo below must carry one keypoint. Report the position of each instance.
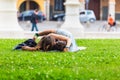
(87, 4)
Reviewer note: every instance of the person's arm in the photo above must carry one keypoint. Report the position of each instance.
(46, 32)
(27, 48)
(64, 38)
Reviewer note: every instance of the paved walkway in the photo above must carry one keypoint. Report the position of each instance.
(91, 30)
(88, 27)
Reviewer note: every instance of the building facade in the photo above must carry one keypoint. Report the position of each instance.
(51, 7)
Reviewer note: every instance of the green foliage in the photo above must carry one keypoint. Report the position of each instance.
(100, 61)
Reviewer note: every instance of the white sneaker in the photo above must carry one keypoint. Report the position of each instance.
(82, 48)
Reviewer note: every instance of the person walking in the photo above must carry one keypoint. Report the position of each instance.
(34, 20)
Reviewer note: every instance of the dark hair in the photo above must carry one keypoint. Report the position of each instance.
(60, 45)
(47, 43)
(36, 10)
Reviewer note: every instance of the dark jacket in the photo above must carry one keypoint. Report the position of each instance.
(34, 18)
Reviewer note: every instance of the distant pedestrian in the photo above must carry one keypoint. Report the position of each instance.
(111, 21)
(34, 20)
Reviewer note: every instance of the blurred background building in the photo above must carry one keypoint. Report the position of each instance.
(101, 8)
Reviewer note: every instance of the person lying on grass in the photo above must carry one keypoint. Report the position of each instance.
(53, 39)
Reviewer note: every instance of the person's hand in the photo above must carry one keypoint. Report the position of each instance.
(66, 49)
(34, 38)
(24, 47)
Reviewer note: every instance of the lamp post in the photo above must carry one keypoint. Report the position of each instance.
(87, 3)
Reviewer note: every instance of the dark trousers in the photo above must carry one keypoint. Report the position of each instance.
(34, 26)
(112, 24)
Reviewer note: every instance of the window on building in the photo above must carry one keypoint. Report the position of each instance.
(32, 5)
(22, 7)
(58, 5)
(82, 13)
(88, 13)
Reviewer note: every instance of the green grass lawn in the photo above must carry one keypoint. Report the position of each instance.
(100, 61)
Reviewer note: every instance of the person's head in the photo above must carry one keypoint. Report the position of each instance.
(60, 45)
(36, 11)
(47, 43)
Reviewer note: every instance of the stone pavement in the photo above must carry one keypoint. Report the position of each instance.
(91, 30)
(88, 27)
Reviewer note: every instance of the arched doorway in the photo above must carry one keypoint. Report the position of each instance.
(28, 5)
